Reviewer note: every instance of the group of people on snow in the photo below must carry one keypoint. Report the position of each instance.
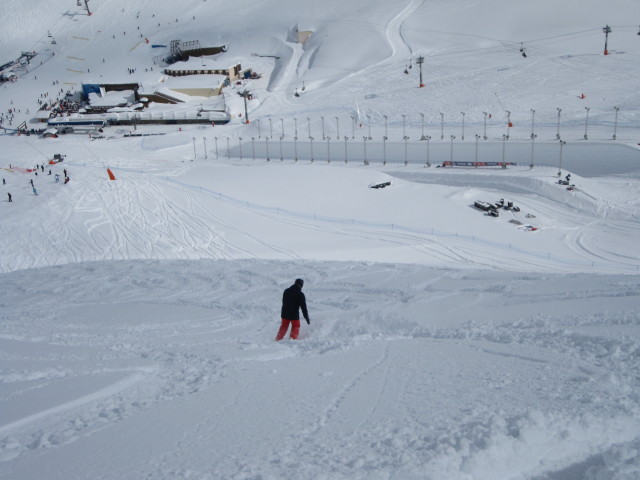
(35, 170)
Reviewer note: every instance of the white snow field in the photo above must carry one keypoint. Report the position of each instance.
(138, 316)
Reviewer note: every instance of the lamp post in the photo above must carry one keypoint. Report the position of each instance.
(533, 114)
(586, 123)
(346, 154)
(427, 138)
(364, 144)
(485, 125)
(477, 138)
(311, 147)
(384, 150)
(533, 138)
(405, 149)
(452, 139)
(615, 123)
(562, 144)
(328, 150)
(558, 130)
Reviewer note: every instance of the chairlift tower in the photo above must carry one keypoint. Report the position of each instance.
(607, 30)
(420, 61)
(244, 94)
(86, 6)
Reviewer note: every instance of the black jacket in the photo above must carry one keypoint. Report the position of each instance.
(292, 300)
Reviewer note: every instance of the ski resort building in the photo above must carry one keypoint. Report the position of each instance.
(204, 66)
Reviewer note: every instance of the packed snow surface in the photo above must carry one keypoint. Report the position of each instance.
(138, 316)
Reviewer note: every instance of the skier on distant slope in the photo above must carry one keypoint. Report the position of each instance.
(292, 301)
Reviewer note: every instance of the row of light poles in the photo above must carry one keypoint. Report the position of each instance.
(365, 139)
(405, 138)
(486, 115)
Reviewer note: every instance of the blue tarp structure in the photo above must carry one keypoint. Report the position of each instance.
(88, 88)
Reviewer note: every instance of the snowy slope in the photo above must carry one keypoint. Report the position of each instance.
(137, 316)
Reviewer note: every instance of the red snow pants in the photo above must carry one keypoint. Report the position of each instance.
(284, 326)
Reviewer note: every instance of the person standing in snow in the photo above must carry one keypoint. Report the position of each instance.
(292, 301)
(10, 198)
